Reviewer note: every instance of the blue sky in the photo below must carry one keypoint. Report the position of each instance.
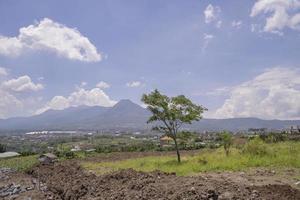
(234, 57)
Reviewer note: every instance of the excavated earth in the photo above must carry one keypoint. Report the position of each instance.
(68, 181)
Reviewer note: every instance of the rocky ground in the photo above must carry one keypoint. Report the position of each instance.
(69, 181)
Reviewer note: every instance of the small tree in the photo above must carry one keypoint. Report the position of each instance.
(2, 148)
(227, 141)
(186, 137)
(172, 113)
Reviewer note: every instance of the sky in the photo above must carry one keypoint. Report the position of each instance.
(236, 58)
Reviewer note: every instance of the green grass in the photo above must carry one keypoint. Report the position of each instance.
(279, 155)
(19, 163)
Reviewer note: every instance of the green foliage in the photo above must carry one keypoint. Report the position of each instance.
(187, 136)
(227, 141)
(2, 148)
(27, 153)
(64, 152)
(135, 147)
(19, 163)
(256, 147)
(172, 113)
(274, 137)
(69, 154)
(285, 154)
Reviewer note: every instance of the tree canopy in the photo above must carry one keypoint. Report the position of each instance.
(171, 112)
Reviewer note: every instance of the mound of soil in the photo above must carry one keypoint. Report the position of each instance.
(69, 181)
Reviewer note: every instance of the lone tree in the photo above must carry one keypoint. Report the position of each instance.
(172, 113)
(227, 141)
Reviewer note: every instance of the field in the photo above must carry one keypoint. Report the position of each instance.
(19, 163)
(279, 155)
(258, 171)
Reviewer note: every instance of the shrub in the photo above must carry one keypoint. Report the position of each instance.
(256, 147)
(69, 154)
(27, 153)
(274, 137)
(2, 148)
(226, 138)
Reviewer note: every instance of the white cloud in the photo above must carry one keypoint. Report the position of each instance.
(58, 103)
(283, 14)
(102, 85)
(93, 97)
(134, 84)
(22, 83)
(3, 72)
(9, 104)
(10, 46)
(51, 36)
(211, 14)
(272, 94)
(208, 36)
(206, 40)
(83, 83)
(236, 24)
(14, 100)
(219, 91)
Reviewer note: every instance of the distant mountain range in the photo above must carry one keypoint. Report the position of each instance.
(125, 115)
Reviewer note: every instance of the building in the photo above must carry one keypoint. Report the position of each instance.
(165, 141)
(9, 154)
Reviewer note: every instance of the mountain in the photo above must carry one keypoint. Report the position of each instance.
(124, 115)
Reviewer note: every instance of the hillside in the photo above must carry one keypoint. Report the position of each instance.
(124, 115)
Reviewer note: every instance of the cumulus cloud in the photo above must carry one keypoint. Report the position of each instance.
(21, 84)
(93, 97)
(211, 14)
(9, 104)
(3, 72)
(13, 101)
(282, 14)
(51, 36)
(102, 85)
(272, 94)
(236, 24)
(134, 84)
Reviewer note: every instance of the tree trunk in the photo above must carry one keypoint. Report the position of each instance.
(177, 150)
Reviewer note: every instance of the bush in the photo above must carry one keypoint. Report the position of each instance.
(2, 148)
(27, 153)
(274, 137)
(226, 138)
(69, 154)
(64, 154)
(256, 147)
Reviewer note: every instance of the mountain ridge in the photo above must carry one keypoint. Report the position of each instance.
(125, 115)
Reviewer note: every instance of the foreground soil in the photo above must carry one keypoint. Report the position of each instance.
(67, 180)
(70, 181)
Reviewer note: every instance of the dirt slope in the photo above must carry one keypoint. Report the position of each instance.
(68, 181)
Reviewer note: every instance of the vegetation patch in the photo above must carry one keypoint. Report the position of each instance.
(19, 163)
(275, 155)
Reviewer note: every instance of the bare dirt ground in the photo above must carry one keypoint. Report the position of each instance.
(67, 180)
